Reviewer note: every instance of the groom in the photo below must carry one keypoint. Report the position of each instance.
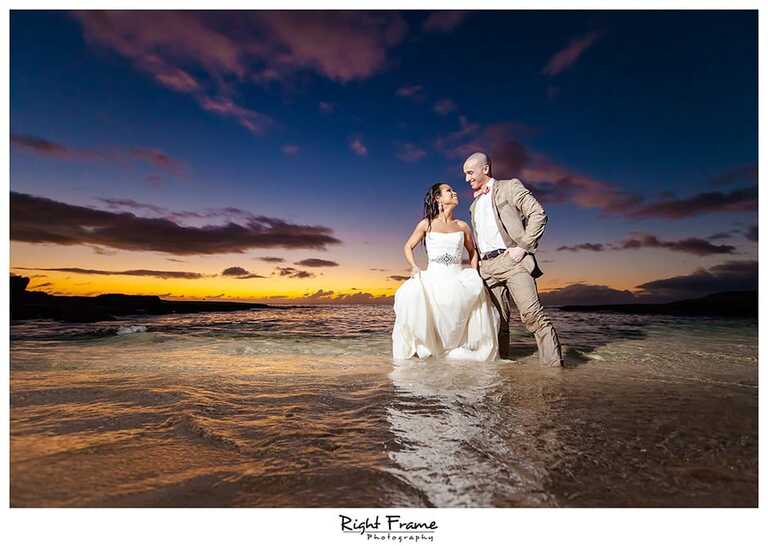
(508, 223)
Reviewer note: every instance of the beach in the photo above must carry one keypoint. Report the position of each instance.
(304, 407)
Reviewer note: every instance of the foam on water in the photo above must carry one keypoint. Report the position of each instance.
(123, 330)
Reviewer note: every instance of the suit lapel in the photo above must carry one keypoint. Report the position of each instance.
(494, 194)
(499, 220)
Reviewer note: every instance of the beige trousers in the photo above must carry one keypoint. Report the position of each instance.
(504, 277)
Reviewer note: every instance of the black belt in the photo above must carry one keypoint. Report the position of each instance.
(493, 254)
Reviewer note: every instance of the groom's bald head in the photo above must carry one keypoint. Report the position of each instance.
(477, 170)
(478, 158)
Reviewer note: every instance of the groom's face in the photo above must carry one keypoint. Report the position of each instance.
(476, 174)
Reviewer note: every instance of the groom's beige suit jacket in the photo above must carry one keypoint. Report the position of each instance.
(519, 217)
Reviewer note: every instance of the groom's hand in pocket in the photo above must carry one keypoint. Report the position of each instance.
(516, 254)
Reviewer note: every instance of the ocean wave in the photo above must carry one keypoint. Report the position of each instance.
(190, 426)
(131, 329)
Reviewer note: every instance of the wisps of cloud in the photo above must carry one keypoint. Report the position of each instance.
(317, 262)
(176, 215)
(290, 150)
(207, 54)
(271, 259)
(357, 146)
(241, 273)
(45, 147)
(103, 251)
(256, 122)
(552, 182)
(593, 247)
(114, 203)
(151, 156)
(235, 272)
(410, 153)
(567, 56)
(690, 245)
(740, 200)
(342, 46)
(549, 181)
(445, 107)
(363, 298)
(36, 219)
(413, 91)
(293, 273)
(722, 235)
(129, 272)
(729, 276)
(321, 296)
(158, 159)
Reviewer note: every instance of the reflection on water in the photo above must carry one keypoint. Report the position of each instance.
(305, 407)
(453, 445)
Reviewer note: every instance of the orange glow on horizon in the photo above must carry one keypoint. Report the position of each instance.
(76, 284)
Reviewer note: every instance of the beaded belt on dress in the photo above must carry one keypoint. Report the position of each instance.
(446, 259)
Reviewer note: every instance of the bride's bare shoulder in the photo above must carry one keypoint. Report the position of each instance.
(462, 225)
(421, 228)
(422, 225)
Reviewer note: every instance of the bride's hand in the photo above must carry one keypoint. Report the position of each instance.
(414, 271)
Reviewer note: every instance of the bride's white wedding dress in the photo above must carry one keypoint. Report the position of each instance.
(445, 310)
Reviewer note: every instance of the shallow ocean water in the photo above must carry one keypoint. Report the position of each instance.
(305, 407)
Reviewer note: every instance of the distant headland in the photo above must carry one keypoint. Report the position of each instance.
(35, 305)
(39, 305)
(738, 304)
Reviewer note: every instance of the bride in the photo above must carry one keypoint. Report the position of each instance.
(445, 310)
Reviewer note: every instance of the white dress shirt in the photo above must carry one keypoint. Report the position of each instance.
(488, 236)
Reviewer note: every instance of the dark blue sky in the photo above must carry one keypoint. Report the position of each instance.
(629, 126)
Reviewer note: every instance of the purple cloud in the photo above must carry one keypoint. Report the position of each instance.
(36, 219)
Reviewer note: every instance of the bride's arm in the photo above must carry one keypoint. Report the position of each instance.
(469, 244)
(413, 240)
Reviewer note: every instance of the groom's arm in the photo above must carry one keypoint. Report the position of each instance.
(534, 214)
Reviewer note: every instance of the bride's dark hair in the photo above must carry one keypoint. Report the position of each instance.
(431, 208)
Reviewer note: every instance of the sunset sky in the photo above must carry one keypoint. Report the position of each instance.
(284, 156)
